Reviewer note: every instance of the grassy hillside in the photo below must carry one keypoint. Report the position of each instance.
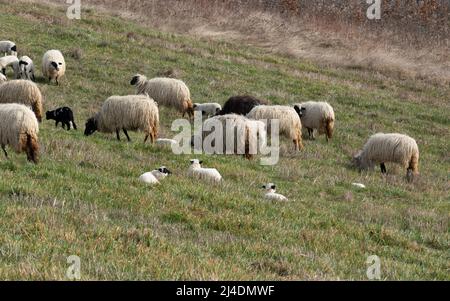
(84, 198)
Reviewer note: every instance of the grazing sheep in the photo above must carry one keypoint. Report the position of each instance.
(26, 68)
(25, 92)
(205, 174)
(166, 142)
(12, 61)
(290, 124)
(63, 115)
(208, 109)
(19, 129)
(132, 112)
(241, 105)
(270, 193)
(243, 131)
(166, 92)
(8, 48)
(53, 65)
(155, 176)
(396, 148)
(2, 78)
(317, 115)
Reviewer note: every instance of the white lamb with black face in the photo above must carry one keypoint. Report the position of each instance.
(26, 68)
(208, 109)
(270, 193)
(155, 176)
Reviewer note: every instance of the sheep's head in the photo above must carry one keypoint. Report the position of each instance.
(91, 126)
(300, 110)
(50, 115)
(196, 163)
(357, 160)
(271, 187)
(55, 65)
(135, 80)
(164, 170)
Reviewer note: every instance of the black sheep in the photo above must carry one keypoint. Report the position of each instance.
(63, 115)
(241, 105)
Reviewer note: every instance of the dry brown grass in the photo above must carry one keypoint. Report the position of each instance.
(411, 41)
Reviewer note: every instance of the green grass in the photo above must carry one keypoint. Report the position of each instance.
(84, 197)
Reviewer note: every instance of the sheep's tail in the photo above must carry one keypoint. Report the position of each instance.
(414, 163)
(189, 108)
(329, 127)
(32, 148)
(37, 108)
(154, 131)
(298, 142)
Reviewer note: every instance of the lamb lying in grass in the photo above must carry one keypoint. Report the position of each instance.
(205, 174)
(155, 176)
(270, 193)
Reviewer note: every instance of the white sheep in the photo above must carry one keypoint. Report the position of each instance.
(53, 65)
(208, 109)
(25, 92)
(240, 135)
(166, 92)
(205, 174)
(19, 129)
(10, 61)
(270, 193)
(289, 121)
(382, 148)
(155, 176)
(2, 78)
(8, 48)
(317, 116)
(132, 112)
(26, 68)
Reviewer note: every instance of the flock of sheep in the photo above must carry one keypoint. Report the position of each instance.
(21, 110)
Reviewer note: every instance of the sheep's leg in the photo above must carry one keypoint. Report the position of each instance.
(68, 126)
(409, 175)
(73, 124)
(4, 150)
(57, 83)
(118, 135)
(56, 124)
(126, 134)
(383, 168)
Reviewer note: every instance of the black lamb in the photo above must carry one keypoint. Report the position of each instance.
(241, 105)
(63, 115)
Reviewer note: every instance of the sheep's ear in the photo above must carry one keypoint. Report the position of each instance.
(297, 109)
(195, 105)
(23, 63)
(14, 48)
(273, 186)
(200, 162)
